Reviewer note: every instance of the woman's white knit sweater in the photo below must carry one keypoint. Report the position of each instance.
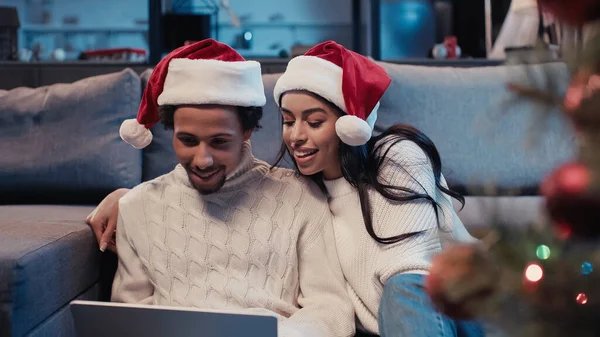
(367, 264)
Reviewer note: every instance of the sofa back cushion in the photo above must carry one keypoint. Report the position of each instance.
(482, 133)
(267, 141)
(61, 144)
(481, 139)
(158, 157)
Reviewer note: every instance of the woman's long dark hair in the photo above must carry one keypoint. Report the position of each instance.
(361, 167)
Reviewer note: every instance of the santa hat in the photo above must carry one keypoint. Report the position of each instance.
(349, 80)
(205, 72)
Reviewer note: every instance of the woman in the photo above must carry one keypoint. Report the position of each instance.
(392, 210)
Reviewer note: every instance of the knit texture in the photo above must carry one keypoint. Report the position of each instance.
(367, 264)
(262, 243)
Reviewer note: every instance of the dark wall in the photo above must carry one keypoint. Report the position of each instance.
(23, 74)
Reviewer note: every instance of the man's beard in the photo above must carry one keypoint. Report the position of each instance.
(205, 191)
(202, 188)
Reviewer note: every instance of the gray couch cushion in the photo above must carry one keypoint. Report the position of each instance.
(266, 142)
(44, 212)
(45, 261)
(486, 211)
(479, 142)
(61, 144)
(458, 108)
(61, 322)
(159, 157)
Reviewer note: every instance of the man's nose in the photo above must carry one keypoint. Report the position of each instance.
(203, 157)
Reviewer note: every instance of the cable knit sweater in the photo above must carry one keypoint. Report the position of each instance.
(262, 243)
(366, 264)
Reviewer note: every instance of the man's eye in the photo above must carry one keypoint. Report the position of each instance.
(188, 141)
(220, 141)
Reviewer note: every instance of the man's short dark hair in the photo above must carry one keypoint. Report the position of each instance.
(249, 116)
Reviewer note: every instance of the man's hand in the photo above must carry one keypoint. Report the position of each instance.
(103, 220)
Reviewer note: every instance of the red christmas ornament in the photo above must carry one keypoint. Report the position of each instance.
(575, 12)
(451, 45)
(562, 231)
(569, 203)
(570, 179)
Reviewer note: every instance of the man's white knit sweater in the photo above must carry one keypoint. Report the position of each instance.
(262, 243)
(367, 264)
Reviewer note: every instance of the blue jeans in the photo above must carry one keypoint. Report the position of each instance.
(406, 311)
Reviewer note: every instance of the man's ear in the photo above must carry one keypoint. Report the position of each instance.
(247, 135)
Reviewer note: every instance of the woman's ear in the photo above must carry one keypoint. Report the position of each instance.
(247, 135)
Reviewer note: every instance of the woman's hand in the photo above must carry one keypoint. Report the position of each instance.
(103, 220)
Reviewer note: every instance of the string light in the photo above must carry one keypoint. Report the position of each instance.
(581, 298)
(586, 268)
(534, 272)
(542, 252)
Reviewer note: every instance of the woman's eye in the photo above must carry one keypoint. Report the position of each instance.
(288, 123)
(315, 124)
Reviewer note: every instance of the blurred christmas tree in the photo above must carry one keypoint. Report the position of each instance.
(543, 280)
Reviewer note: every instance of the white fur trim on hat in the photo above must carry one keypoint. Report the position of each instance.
(313, 74)
(213, 82)
(135, 133)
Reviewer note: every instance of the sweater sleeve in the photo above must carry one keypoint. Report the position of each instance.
(131, 283)
(457, 232)
(325, 308)
(407, 166)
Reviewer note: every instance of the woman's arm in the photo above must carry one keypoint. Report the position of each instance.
(103, 220)
(405, 308)
(407, 166)
(132, 283)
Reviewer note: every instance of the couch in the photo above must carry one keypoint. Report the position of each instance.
(60, 154)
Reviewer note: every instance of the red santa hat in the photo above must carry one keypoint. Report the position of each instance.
(205, 72)
(349, 80)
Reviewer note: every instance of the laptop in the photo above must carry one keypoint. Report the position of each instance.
(103, 319)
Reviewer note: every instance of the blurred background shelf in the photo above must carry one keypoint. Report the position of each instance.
(43, 29)
(366, 26)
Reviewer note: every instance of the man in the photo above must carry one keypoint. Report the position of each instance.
(222, 230)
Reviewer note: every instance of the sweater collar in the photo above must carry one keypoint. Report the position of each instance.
(338, 187)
